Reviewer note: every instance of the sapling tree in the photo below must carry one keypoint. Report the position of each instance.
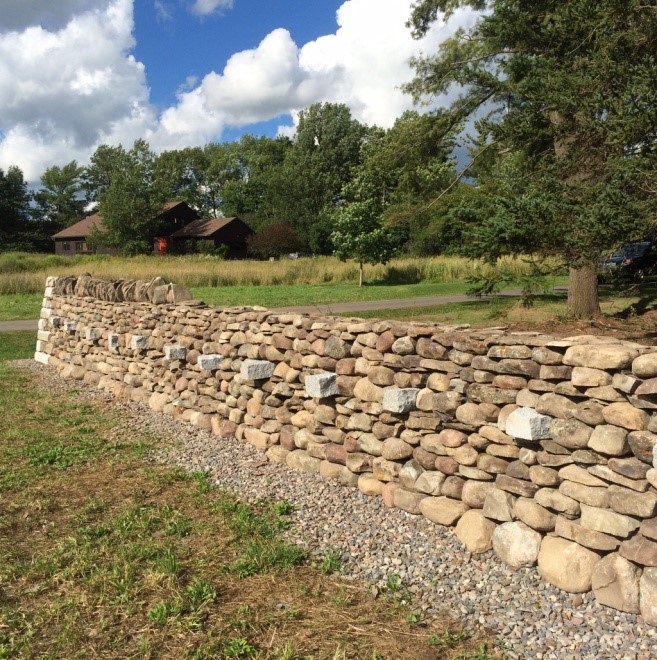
(357, 229)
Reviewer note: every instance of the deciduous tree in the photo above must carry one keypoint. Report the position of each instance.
(131, 202)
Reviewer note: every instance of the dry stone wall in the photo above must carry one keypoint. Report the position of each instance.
(542, 449)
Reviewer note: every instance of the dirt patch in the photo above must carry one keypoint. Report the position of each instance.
(641, 329)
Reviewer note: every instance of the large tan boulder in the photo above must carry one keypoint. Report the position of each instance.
(566, 564)
(368, 485)
(600, 357)
(300, 460)
(408, 500)
(625, 415)
(442, 510)
(648, 597)
(534, 515)
(339, 473)
(475, 531)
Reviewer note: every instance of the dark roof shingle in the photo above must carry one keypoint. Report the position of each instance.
(202, 228)
(83, 228)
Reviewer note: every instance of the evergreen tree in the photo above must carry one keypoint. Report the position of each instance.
(565, 96)
(14, 211)
(59, 202)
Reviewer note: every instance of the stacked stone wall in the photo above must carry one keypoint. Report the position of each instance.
(540, 448)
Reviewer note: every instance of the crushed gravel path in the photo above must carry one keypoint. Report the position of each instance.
(529, 618)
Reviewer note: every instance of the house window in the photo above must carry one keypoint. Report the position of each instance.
(79, 246)
(66, 246)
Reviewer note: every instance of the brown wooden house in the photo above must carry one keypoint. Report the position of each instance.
(75, 239)
(231, 232)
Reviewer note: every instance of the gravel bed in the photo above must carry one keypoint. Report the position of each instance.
(529, 618)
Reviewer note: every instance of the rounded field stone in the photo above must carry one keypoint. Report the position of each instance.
(566, 564)
(516, 544)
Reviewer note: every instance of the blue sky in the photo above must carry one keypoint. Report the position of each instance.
(203, 43)
(75, 74)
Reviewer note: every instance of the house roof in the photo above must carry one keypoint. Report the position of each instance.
(83, 228)
(202, 228)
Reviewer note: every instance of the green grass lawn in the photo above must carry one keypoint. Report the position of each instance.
(28, 306)
(16, 307)
(286, 295)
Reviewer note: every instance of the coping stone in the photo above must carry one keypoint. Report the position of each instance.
(92, 334)
(175, 352)
(256, 369)
(139, 342)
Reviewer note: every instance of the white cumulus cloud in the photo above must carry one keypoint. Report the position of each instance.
(69, 81)
(363, 64)
(65, 91)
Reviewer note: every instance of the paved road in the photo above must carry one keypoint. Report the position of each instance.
(368, 305)
(8, 326)
(324, 308)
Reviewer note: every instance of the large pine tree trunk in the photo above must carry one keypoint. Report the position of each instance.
(583, 300)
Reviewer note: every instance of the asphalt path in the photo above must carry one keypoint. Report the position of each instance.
(327, 308)
(9, 326)
(398, 303)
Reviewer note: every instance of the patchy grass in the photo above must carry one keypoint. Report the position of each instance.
(16, 346)
(506, 310)
(19, 306)
(286, 295)
(103, 553)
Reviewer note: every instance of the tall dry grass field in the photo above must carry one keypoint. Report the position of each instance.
(22, 273)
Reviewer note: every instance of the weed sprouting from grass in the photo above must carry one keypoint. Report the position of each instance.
(262, 555)
(167, 563)
(283, 508)
(160, 614)
(447, 640)
(260, 524)
(239, 648)
(331, 562)
(199, 593)
(287, 652)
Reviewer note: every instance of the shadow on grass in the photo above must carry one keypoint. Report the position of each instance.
(646, 294)
(409, 274)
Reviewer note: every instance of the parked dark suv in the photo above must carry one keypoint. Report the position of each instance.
(633, 261)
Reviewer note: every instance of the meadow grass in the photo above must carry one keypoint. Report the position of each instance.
(25, 273)
(105, 553)
(282, 283)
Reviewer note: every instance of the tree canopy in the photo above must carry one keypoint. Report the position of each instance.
(59, 203)
(564, 95)
(132, 201)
